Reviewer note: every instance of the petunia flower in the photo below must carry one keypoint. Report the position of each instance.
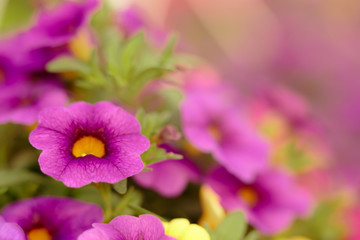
(10, 231)
(48, 218)
(51, 35)
(9, 72)
(133, 19)
(86, 143)
(181, 229)
(169, 177)
(126, 227)
(270, 203)
(212, 123)
(22, 102)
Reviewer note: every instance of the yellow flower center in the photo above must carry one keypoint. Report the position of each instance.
(81, 46)
(214, 131)
(191, 150)
(249, 195)
(39, 234)
(88, 145)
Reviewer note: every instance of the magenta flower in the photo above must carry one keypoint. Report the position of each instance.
(133, 19)
(86, 143)
(170, 177)
(270, 203)
(213, 124)
(52, 217)
(126, 227)
(50, 36)
(9, 73)
(10, 231)
(22, 102)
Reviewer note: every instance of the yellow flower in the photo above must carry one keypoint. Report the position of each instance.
(213, 212)
(293, 238)
(81, 45)
(181, 229)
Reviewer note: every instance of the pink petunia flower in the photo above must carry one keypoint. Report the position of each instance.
(86, 143)
(146, 227)
(270, 203)
(52, 217)
(212, 123)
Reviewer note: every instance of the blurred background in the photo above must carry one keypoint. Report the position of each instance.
(305, 47)
(302, 57)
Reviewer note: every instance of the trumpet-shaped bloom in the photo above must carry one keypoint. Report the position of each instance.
(10, 231)
(213, 124)
(50, 36)
(133, 20)
(52, 218)
(22, 102)
(86, 143)
(147, 227)
(181, 229)
(270, 203)
(169, 177)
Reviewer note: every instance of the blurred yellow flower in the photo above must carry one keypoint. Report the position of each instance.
(181, 229)
(212, 211)
(81, 46)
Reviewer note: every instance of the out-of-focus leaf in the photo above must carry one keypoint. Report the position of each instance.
(129, 53)
(121, 187)
(152, 122)
(11, 177)
(155, 154)
(145, 76)
(253, 235)
(168, 50)
(67, 64)
(14, 14)
(233, 227)
(3, 190)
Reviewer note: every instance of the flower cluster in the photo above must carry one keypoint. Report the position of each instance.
(111, 130)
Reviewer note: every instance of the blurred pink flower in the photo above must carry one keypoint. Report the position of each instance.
(270, 203)
(212, 123)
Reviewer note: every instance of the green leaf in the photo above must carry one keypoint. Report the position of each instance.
(143, 77)
(155, 154)
(167, 52)
(14, 14)
(129, 53)
(3, 190)
(152, 122)
(11, 177)
(253, 235)
(67, 64)
(233, 227)
(121, 187)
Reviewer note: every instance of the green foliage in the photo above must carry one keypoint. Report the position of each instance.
(14, 14)
(152, 122)
(68, 64)
(10, 177)
(233, 227)
(323, 224)
(121, 67)
(121, 187)
(155, 154)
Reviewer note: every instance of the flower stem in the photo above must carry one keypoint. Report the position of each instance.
(105, 192)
